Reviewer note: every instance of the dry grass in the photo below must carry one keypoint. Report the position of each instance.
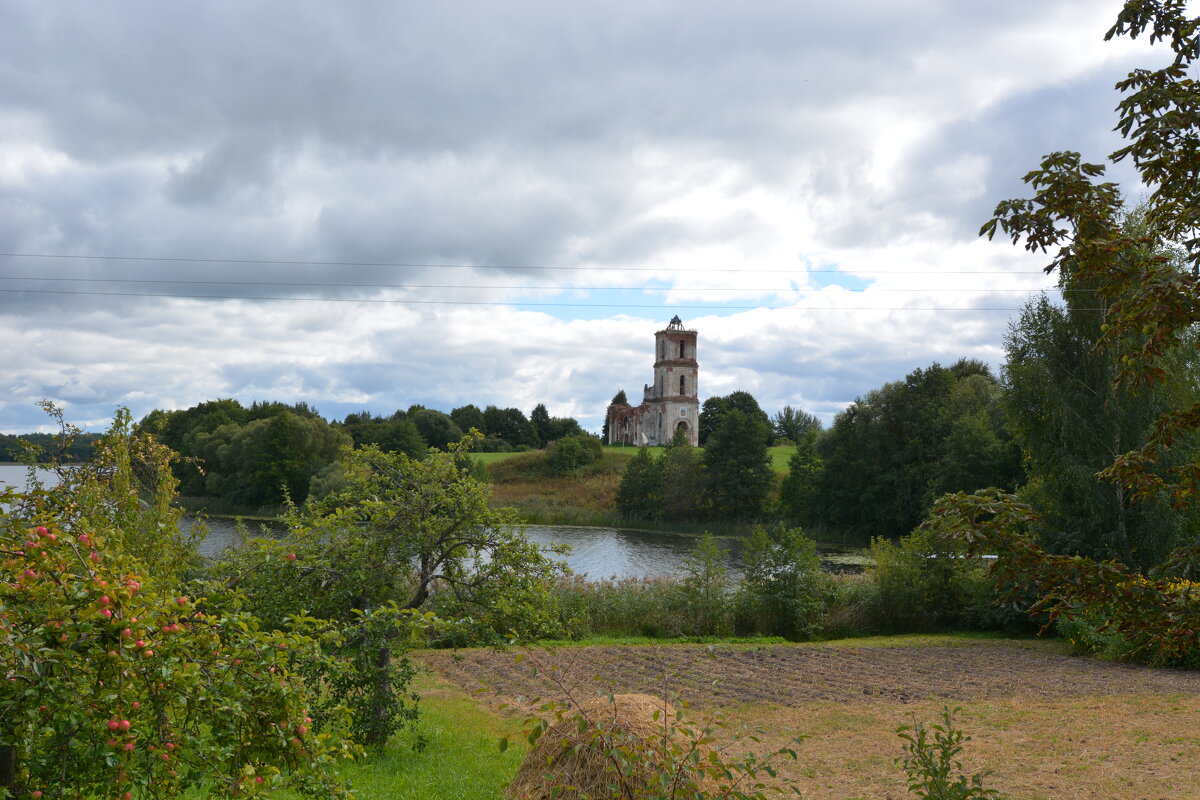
(1130, 747)
(591, 493)
(1046, 725)
(573, 758)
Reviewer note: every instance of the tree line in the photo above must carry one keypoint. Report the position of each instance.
(45, 448)
(257, 455)
(1046, 428)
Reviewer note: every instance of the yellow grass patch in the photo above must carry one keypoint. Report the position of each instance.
(1045, 724)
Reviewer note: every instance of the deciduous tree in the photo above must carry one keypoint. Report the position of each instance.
(737, 469)
(399, 532)
(1078, 218)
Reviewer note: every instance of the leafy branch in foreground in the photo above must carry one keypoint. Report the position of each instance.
(934, 771)
(1154, 301)
(1158, 614)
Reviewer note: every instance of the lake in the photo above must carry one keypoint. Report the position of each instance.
(596, 552)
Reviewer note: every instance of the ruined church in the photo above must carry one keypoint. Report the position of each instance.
(671, 403)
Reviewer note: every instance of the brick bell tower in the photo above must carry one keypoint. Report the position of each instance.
(676, 390)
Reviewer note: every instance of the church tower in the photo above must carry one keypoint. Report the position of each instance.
(676, 389)
(672, 402)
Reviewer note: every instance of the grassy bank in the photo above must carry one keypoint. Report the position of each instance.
(586, 498)
(218, 507)
(590, 497)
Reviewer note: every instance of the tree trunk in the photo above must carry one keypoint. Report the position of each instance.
(8, 769)
(380, 727)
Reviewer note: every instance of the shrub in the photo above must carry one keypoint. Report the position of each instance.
(784, 591)
(117, 690)
(705, 594)
(568, 455)
(1094, 630)
(926, 580)
(402, 535)
(933, 769)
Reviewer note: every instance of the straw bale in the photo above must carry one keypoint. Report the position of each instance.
(575, 761)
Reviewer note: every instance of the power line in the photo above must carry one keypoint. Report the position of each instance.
(504, 303)
(404, 265)
(559, 288)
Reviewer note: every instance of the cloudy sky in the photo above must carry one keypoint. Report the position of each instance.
(369, 205)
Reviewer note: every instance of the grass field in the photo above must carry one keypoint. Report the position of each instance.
(779, 455)
(585, 499)
(1047, 724)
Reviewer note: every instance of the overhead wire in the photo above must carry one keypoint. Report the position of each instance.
(510, 303)
(414, 265)
(557, 288)
(496, 287)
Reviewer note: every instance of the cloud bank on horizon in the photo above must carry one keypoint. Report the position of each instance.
(366, 206)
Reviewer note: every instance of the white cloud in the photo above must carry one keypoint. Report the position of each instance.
(726, 155)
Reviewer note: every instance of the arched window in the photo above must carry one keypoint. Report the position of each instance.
(681, 349)
(681, 385)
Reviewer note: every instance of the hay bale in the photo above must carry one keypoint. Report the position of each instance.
(573, 755)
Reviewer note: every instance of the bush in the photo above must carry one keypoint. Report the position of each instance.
(568, 455)
(704, 593)
(1094, 630)
(933, 769)
(401, 535)
(926, 580)
(784, 590)
(119, 685)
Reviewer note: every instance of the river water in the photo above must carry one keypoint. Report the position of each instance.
(595, 552)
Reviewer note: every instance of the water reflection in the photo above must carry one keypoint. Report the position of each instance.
(595, 552)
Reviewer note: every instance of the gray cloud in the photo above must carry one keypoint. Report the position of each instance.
(662, 137)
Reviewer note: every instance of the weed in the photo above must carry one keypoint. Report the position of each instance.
(934, 771)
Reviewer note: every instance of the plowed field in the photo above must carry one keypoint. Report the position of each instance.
(1049, 725)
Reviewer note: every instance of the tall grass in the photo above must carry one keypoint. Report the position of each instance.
(220, 507)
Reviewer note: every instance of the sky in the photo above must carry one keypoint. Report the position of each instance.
(368, 205)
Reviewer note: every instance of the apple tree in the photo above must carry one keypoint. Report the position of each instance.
(402, 538)
(121, 684)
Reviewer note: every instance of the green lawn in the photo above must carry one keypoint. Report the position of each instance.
(459, 760)
(779, 455)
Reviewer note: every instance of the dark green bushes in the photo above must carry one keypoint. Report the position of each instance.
(784, 592)
(919, 583)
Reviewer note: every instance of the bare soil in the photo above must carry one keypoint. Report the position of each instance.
(789, 675)
(1048, 724)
